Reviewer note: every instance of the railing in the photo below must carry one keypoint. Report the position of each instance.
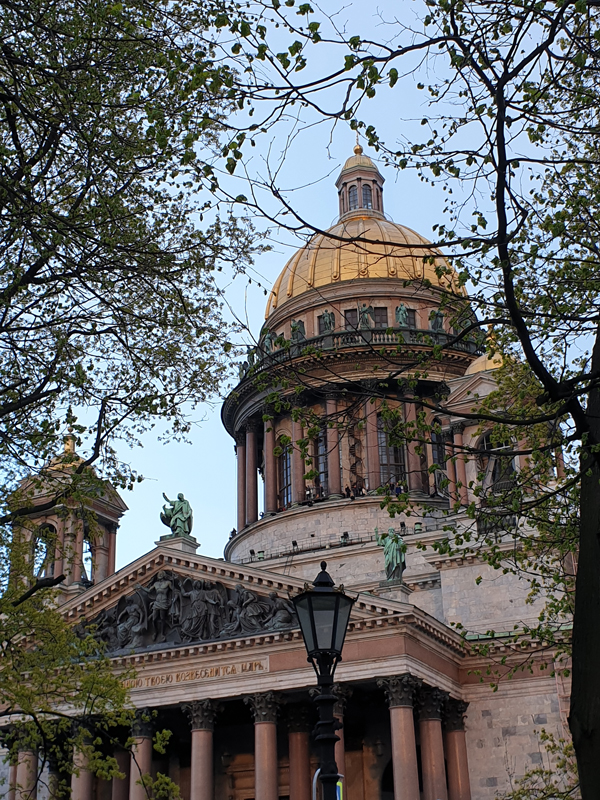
(490, 522)
(369, 337)
(345, 540)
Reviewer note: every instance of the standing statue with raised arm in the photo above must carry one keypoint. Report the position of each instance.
(177, 515)
(394, 553)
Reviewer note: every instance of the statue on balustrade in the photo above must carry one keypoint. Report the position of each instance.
(177, 515)
(402, 316)
(437, 321)
(328, 321)
(242, 370)
(267, 343)
(364, 315)
(298, 331)
(394, 553)
(172, 608)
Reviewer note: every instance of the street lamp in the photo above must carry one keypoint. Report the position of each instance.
(323, 613)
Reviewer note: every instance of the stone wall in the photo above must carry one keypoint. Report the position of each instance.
(502, 731)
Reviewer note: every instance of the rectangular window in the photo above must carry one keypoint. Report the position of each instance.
(412, 318)
(321, 323)
(392, 468)
(351, 318)
(381, 317)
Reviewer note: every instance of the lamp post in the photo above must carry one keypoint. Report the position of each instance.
(323, 613)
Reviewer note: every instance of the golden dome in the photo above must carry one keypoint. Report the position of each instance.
(358, 160)
(325, 260)
(484, 363)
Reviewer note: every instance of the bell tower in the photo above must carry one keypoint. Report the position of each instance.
(70, 523)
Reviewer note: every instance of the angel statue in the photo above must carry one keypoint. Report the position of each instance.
(177, 515)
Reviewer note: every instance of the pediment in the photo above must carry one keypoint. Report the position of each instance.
(464, 392)
(169, 598)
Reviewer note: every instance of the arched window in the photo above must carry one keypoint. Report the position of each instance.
(498, 468)
(367, 197)
(43, 544)
(321, 480)
(353, 197)
(285, 479)
(392, 467)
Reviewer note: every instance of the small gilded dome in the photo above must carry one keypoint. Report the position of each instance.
(359, 160)
(484, 363)
(393, 252)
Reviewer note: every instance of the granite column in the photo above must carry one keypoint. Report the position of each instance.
(120, 786)
(251, 475)
(202, 715)
(240, 450)
(270, 468)
(461, 470)
(400, 692)
(27, 766)
(264, 708)
(431, 702)
(333, 448)
(372, 441)
(459, 787)
(298, 471)
(141, 755)
(82, 779)
(299, 750)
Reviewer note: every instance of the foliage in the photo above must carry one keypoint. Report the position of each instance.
(110, 317)
(556, 779)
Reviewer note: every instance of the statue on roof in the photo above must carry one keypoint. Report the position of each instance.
(177, 515)
(394, 553)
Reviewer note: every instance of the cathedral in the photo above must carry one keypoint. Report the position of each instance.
(215, 643)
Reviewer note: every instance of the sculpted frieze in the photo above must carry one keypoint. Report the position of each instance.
(176, 609)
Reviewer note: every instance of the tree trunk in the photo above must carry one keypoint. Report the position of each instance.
(584, 719)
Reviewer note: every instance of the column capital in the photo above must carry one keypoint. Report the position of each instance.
(264, 706)
(240, 437)
(298, 718)
(253, 426)
(454, 716)
(343, 693)
(458, 428)
(143, 724)
(431, 703)
(400, 690)
(201, 714)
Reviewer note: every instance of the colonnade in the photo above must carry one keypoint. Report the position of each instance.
(444, 767)
(250, 436)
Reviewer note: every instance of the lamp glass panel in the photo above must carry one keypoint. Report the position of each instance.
(324, 610)
(304, 614)
(345, 607)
